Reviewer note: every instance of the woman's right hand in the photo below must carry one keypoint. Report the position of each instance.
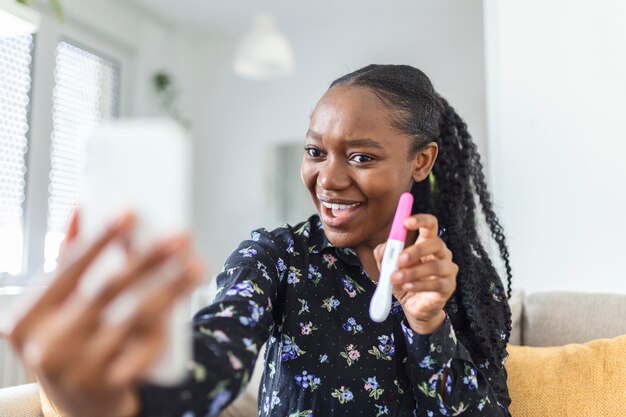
(86, 365)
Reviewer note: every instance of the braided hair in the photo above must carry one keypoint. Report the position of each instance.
(478, 310)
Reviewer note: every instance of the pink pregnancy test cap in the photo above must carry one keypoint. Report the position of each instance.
(398, 231)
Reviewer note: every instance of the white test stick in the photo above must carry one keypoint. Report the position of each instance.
(381, 300)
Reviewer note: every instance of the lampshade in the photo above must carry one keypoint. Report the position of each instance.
(17, 19)
(264, 52)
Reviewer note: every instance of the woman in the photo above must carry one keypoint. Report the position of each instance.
(376, 133)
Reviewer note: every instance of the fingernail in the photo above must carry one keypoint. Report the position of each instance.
(397, 277)
(196, 269)
(408, 287)
(32, 352)
(403, 258)
(125, 221)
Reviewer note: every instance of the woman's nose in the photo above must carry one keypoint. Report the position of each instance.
(333, 176)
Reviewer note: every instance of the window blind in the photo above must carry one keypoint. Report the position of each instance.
(86, 92)
(15, 83)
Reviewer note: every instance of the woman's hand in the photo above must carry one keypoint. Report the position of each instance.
(426, 275)
(88, 366)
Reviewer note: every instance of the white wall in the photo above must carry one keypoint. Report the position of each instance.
(240, 118)
(557, 100)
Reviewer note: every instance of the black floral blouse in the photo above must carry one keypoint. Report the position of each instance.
(325, 357)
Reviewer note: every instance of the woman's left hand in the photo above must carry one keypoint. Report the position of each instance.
(426, 275)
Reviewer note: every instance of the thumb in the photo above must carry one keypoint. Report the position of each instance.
(71, 234)
(72, 230)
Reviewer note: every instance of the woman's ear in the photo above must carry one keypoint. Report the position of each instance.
(424, 160)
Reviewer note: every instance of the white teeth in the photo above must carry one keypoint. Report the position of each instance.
(338, 206)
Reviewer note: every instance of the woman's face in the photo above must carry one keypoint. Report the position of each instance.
(356, 166)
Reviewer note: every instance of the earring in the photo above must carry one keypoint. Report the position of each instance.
(433, 182)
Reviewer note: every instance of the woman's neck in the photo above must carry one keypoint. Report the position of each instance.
(368, 262)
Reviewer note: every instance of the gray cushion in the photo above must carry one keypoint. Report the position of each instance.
(559, 318)
(20, 401)
(516, 303)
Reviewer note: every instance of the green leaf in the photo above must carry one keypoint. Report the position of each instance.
(56, 6)
(58, 9)
(425, 388)
(199, 372)
(161, 81)
(374, 351)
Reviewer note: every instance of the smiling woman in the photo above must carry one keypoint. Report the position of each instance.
(376, 133)
(305, 289)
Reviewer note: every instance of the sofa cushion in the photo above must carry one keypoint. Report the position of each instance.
(559, 318)
(20, 401)
(571, 380)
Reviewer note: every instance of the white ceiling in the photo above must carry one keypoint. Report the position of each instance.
(232, 17)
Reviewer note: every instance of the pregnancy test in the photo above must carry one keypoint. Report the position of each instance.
(381, 300)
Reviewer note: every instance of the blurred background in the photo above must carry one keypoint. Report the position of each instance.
(540, 84)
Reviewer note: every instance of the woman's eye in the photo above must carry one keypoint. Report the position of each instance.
(313, 152)
(361, 159)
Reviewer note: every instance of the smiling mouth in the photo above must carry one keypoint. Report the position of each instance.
(337, 207)
(337, 214)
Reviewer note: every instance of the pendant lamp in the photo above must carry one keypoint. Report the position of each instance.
(264, 52)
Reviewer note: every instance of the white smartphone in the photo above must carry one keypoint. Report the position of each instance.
(141, 165)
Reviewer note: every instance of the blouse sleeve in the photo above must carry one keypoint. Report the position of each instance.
(445, 380)
(227, 334)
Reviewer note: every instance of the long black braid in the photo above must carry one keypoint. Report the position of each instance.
(478, 309)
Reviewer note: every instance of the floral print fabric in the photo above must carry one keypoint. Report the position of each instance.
(325, 357)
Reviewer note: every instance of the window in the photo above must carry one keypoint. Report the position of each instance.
(86, 92)
(286, 199)
(76, 79)
(15, 83)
